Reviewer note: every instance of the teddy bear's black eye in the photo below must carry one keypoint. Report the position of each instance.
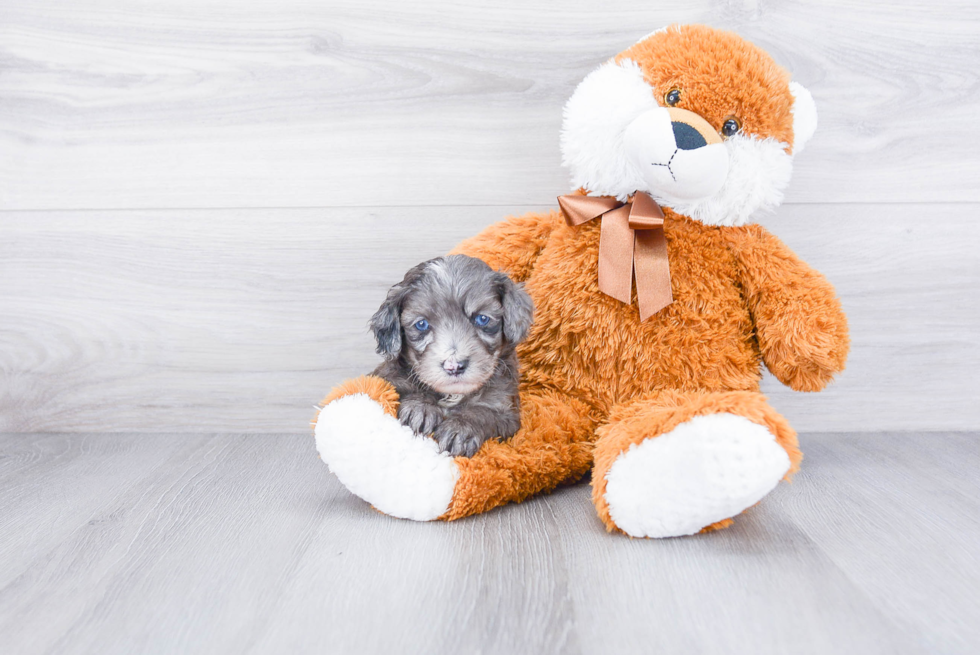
(730, 127)
(672, 97)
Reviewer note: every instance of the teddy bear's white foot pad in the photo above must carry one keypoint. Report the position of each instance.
(706, 469)
(384, 462)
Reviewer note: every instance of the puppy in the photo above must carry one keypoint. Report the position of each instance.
(447, 333)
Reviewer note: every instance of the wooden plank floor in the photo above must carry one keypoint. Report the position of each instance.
(186, 543)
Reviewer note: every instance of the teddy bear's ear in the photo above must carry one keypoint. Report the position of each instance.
(804, 116)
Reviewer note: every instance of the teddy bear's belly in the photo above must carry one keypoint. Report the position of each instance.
(595, 347)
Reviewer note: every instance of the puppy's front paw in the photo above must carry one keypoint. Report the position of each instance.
(459, 438)
(421, 416)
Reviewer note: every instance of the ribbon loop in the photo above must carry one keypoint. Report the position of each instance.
(645, 214)
(631, 239)
(582, 209)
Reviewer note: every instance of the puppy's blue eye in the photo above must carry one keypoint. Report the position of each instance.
(481, 319)
(421, 325)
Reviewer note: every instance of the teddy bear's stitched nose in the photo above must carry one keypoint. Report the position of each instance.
(686, 137)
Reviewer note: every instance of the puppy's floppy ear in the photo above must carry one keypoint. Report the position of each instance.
(518, 309)
(387, 327)
(386, 322)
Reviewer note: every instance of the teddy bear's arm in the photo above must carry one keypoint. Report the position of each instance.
(801, 327)
(512, 245)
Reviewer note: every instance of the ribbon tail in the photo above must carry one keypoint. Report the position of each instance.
(616, 255)
(652, 272)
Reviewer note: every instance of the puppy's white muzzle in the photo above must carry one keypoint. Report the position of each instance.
(677, 153)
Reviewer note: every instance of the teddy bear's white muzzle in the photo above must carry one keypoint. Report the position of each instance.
(673, 159)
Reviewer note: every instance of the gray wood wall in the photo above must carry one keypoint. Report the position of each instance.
(202, 202)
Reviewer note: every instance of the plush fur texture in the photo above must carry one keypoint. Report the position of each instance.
(704, 470)
(680, 414)
(597, 382)
(595, 121)
(382, 461)
(726, 78)
(804, 116)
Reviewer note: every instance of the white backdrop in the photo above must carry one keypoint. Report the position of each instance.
(202, 202)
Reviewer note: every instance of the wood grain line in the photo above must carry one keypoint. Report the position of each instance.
(161, 321)
(290, 103)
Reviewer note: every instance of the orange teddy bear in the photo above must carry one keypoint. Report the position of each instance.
(656, 301)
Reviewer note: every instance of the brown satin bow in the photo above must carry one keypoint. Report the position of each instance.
(631, 237)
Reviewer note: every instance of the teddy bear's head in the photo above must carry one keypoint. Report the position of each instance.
(699, 118)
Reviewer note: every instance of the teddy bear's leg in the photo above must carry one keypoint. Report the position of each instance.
(373, 387)
(377, 458)
(406, 475)
(553, 446)
(679, 463)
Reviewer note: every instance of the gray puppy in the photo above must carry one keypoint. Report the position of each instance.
(448, 333)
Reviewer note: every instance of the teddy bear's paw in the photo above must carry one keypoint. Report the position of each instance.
(706, 469)
(384, 462)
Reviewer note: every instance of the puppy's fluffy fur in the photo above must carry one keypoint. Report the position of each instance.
(448, 333)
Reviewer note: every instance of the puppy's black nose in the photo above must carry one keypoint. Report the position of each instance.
(454, 367)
